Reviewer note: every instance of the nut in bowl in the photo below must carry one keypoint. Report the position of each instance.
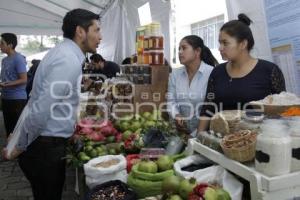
(240, 146)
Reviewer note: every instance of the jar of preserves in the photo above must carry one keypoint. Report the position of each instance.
(156, 42)
(146, 57)
(146, 43)
(156, 57)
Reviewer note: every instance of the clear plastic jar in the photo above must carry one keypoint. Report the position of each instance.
(155, 28)
(294, 126)
(295, 162)
(273, 149)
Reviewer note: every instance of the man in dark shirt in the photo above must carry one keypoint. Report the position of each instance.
(101, 66)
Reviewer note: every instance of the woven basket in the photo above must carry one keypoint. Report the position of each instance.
(242, 149)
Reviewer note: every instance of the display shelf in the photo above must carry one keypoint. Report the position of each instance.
(262, 187)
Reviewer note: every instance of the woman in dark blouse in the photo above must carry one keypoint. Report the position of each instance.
(243, 78)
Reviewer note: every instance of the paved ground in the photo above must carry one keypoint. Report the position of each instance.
(13, 184)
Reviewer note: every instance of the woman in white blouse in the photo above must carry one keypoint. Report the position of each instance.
(187, 84)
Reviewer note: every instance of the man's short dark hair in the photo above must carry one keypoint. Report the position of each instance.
(97, 58)
(10, 38)
(77, 17)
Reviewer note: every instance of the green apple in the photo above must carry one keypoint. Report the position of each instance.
(135, 125)
(164, 163)
(147, 166)
(83, 157)
(138, 131)
(146, 115)
(93, 153)
(112, 152)
(110, 139)
(137, 117)
(125, 125)
(149, 124)
(210, 194)
(126, 134)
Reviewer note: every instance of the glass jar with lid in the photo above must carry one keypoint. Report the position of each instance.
(156, 42)
(156, 57)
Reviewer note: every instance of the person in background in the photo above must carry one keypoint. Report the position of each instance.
(126, 61)
(13, 81)
(101, 66)
(187, 85)
(52, 107)
(30, 75)
(243, 78)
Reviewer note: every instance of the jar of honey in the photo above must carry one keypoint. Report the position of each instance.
(146, 57)
(156, 57)
(156, 42)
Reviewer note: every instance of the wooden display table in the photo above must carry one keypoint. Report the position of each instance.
(262, 187)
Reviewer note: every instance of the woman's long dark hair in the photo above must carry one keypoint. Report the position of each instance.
(206, 55)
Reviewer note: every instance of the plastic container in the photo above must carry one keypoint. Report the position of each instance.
(174, 146)
(294, 127)
(156, 57)
(295, 160)
(155, 28)
(273, 149)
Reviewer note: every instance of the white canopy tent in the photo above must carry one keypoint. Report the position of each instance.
(119, 20)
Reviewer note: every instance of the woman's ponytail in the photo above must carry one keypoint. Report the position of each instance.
(208, 57)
